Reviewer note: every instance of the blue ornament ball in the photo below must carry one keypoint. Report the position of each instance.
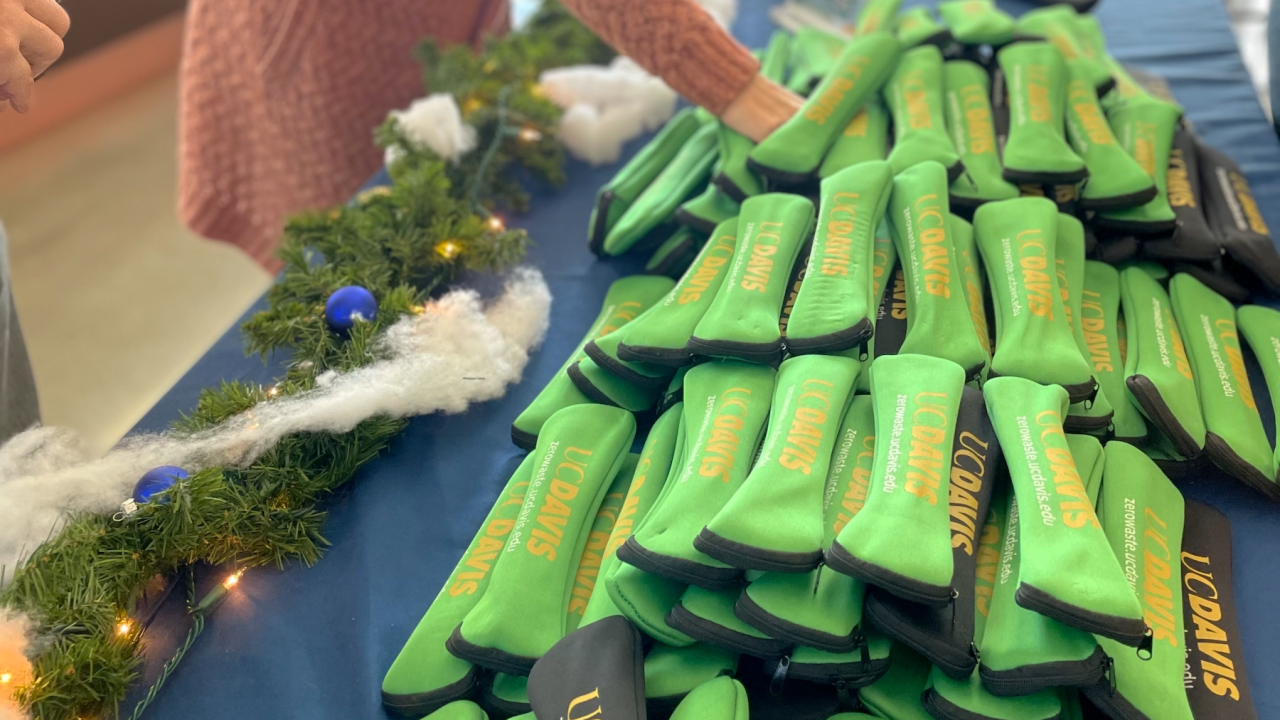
(347, 305)
(157, 480)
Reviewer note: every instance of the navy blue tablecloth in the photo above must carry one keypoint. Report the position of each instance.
(314, 643)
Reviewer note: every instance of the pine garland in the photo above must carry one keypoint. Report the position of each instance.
(404, 244)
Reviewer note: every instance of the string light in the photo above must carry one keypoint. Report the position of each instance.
(232, 580)
(495, 223)
(373, 192)
(471, 105)
(273, 391)
(6, 678)
(448, 249)
(123, 628)
(529, 135)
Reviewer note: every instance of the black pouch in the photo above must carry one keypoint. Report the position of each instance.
(944, 635)
(1193, 240)
(1233, 214)
(1217, 686)
(595, 671)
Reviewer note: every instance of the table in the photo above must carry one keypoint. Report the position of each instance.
(314, 643)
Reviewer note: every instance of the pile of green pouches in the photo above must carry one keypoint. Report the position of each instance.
(911, 436)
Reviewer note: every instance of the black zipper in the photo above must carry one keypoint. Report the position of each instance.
(1142, 390)
(1088, 673)
(1029, 601)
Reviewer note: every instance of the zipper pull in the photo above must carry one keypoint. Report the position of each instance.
(1093, 395)
(975, 652)
(844, 700)
(862, 350)
(1109, 669)
(860, 643)
(1144, 647)
(779, 675)
(955, 596)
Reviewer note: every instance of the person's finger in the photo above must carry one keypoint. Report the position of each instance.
(51, 14)
(40, 46)
(15, 78)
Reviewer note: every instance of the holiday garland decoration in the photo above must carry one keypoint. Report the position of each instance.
(405, 243)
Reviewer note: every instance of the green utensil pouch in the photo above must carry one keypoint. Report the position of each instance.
(774, 520)
(1057, 25)
(646, 484)
(917, 399)
(1087, 452)
(1219, 685)
(523, 613)
(1144, 126)
(606, 388)
(460, 710)
(865, 138)
(1193, 240)
(938, 321)
(917, 26)
(684, 175)
(1157, 371)
(707, 616)
(868, 662)
(734, 178)
(725, 407)
(623, 302)
(675, 253)
(1234, 216)
(974, 288)
(646, 600)
(1116, 181)
(660, 337)
(720, 699)
(671, 673)
(1099, 322)
(977, 22)
(1024, 652)
(425, 676)
(1036, 150)
(1261, 329)
(950, 698)
(914, 94)
(742, 320)
(833, 308)
(1141, 507)
(1018, 240)
(811, 54)
(615, 196)
(889, 286)
(704, 212)
(821, 609)
(877, 15)
(945, 635)
(1234, 437)
(1058, 526)
(968, 111)
(644, 376)
(1091, 417)
(897, 694)
(506, 695)
(588, 575)
(792, 153)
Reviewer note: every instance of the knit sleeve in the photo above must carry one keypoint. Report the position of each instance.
(676, 40)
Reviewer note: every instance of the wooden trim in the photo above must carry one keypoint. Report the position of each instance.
(68, 91)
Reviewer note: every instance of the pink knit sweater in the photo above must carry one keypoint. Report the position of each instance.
(279, 100)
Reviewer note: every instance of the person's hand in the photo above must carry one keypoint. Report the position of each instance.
(31, 34)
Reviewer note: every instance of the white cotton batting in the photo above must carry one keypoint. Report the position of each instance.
(606, 106)
(436, 123)
(14, 636)
(457, 352)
